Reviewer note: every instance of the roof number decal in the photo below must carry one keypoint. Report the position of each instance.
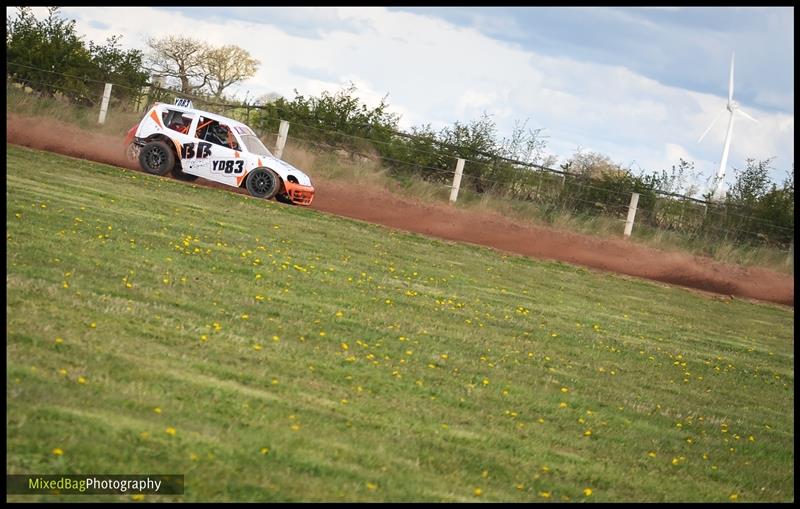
(184, 103)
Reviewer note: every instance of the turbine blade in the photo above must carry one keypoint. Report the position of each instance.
(710, 126)
(730, 84)
(746, 115)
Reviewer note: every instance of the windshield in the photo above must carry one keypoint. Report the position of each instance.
(254, 145)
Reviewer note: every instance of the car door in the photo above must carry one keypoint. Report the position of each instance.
(225, 162)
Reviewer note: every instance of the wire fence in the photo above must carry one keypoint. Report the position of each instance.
(550, 191)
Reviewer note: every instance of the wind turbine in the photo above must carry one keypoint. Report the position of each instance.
(732, 107)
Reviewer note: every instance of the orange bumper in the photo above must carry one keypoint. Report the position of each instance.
(300, 195)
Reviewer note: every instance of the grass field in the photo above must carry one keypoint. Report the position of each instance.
(271, 353)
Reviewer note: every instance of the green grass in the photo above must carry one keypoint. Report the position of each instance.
(374, 365)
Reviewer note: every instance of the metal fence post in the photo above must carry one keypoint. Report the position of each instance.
(104, 104)
(457, 180)
(283, 132)
(631, 214)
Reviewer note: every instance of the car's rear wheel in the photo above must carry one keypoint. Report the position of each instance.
(263, 183)
(157, 158)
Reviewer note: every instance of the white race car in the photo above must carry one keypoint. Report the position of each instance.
(192, 143)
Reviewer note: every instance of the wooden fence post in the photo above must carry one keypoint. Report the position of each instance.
(283, 132)
(456, 180)
(104, 104)
(631, 214)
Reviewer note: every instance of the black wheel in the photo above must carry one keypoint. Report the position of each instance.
(157, 158)
(263, 183)
(177, 172)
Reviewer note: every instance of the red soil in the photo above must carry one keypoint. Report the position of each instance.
(440, 220)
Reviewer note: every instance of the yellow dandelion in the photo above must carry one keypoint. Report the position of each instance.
(544, 494)
(171, 431)
(345, 346)
(274, 381)
(276, 338)
(540, 420)
(265, 450)
(477, 492)
(203, 338)
(58, 451)
(295, 427)
(443, 356)
(562, 405)
(322, 333)
(587, 433)
(138, 497)
(157, 410)
(372, 486)
(256, 347)
(245, 316)
(339, 314)
(675, 461)
(58, 341)
(587, 492)
(520, 486)
(81, 380)
(62, 372)
(485, 474)
(652, 454)
(93, 325)
(734, 496)
(564, 389)
(485, 381)
(344, 402)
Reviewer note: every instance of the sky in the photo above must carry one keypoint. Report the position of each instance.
(639, 85)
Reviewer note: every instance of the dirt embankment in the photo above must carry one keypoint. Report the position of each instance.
(440, 220)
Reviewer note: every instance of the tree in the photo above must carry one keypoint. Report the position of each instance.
(591, 165)
(752, 182)
(41, 52)
(50, 57)
(227, 65)
(180, 58)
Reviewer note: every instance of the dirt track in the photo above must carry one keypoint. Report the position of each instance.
(440, 220)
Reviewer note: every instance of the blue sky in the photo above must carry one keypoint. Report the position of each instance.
(637, 84)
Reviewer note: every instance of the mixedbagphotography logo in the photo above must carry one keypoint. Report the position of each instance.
(93, 484)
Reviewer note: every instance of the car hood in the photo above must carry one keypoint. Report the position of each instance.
(285, 169)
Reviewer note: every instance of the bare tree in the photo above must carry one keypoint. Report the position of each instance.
(181, 58)
(227, 65)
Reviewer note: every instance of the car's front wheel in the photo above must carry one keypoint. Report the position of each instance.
(263, 183)
(157, 158)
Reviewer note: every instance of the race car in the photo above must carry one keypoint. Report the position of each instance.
(192, 143)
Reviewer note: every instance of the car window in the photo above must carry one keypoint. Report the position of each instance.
(254, 145)
(214, 132)
(178, 121)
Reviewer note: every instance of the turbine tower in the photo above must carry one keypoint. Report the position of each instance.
(732, 107)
